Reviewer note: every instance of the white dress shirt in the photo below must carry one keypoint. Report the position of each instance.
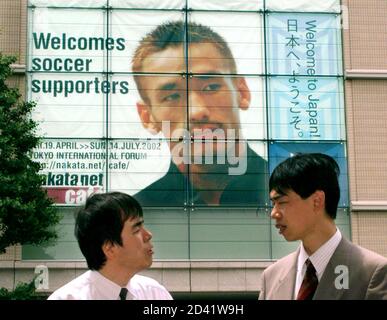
(92, 285)
(319, 259)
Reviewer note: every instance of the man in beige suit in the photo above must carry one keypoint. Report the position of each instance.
(305, 193)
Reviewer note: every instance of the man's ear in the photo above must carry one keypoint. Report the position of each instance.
(319, 200)
(147, 119)
(108, 249)
(244, 94)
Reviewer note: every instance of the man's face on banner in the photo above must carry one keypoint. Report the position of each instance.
(214, 99)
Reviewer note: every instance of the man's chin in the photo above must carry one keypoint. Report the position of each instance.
(202, 154)
(290, 238)
(149, 263)
(208, 154)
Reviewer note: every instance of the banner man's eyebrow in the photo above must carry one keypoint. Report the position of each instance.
(168, 86)
(210, 75)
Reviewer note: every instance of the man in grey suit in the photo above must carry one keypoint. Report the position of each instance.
(305, 192)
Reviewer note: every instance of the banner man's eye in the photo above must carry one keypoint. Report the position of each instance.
(172, 97)
(212, 87)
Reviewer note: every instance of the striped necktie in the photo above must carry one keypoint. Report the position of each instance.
(309, 284)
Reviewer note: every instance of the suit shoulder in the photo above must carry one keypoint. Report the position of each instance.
(368, 256)
(283, 263)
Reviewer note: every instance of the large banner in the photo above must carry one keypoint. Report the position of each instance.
(178, 107)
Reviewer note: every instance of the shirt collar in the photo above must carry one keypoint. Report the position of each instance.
(321, 257)
(107, 288)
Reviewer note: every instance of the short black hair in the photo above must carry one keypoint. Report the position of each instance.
(304, 173)
(101, 220)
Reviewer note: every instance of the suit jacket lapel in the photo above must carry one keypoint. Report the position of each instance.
(326, 289)
(286, 283)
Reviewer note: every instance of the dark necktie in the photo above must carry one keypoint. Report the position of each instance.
(123, 293)
(309, 284)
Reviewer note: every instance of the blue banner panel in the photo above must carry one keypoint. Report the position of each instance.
(306, 108)
(280, 151)
(304, 44)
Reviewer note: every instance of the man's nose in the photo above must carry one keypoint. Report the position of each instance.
(275, 213)
(199, 110)
(147, 234)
